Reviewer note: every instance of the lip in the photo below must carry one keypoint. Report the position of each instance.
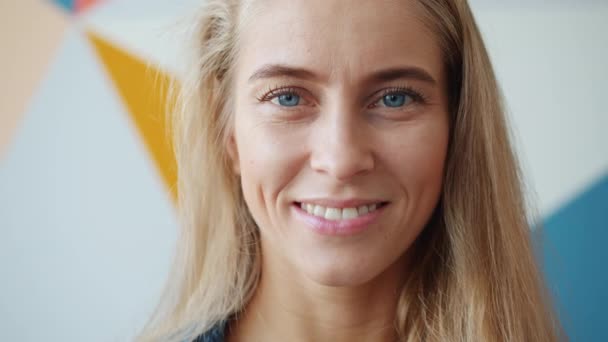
(341, 204)
(345, 227)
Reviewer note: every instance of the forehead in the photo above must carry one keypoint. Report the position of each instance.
(337, 38)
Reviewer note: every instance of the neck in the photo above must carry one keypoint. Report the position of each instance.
(287, 307)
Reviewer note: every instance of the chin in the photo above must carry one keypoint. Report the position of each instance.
(340, 274)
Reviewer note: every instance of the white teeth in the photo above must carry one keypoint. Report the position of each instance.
(362, 210)
(319, 211)
(338, 213)
(333, 214)
(349, 213)
(310, 208)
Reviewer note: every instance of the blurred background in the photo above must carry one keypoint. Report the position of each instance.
(87, 213)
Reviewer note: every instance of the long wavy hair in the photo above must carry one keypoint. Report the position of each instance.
(476, 277)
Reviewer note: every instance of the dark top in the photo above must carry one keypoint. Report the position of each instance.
(215, 334)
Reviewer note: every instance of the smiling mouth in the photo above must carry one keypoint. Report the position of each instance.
(335, 214)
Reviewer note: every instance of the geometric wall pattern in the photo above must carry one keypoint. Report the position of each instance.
(575, 262)
(143, 90)
(86, 205)
(76, 6)
(30, 53)
(87, 176)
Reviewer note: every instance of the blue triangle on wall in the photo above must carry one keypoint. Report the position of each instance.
(574, 255)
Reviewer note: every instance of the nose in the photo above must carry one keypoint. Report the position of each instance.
(341, 146)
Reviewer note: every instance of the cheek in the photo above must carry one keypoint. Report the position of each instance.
(416, 159)
(415, 162)
(265, 154)
(269, 159)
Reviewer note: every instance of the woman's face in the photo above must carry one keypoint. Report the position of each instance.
(340, 133)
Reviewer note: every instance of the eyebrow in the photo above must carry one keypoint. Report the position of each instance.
(280, 70)
(392, 74)
(385, 75)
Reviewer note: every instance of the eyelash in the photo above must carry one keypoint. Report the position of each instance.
(416, 95)
(276, 91)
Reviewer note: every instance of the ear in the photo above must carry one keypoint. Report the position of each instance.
(233, 155)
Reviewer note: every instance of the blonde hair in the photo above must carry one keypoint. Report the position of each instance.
(475, 279)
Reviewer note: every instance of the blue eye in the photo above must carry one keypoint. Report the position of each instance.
(395, 99)
(288, 99)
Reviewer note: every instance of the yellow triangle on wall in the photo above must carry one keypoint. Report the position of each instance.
(144, 91)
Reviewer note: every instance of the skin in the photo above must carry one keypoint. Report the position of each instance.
(341, 141)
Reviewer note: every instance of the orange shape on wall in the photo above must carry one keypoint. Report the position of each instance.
(144, 91)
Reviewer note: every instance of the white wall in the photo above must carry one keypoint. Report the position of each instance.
(552, 64)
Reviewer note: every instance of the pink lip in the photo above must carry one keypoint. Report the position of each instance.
(338, 227)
